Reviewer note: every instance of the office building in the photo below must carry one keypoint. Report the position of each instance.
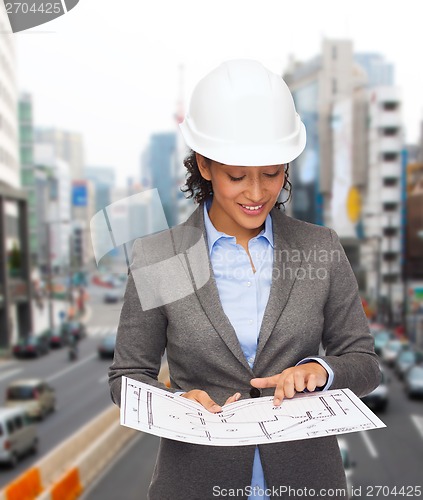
(15, 270)
(67, 146)
(103, 180)
(161, 172)
(58, 217)
(349, 176)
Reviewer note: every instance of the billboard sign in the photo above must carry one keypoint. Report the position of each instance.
(79, 195)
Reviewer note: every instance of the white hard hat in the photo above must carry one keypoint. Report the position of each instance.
(243, 114)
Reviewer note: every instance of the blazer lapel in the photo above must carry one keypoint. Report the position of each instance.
(208, 294)
(286, 262)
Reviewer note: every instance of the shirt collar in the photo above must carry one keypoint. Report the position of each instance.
(213, 235)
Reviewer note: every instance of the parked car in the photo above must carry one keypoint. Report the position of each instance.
(106, 347)
(31, 346)
(378, 399)
(75, 328)
(405, 360)
(108, 281)
(112, 281)
(376, 327)
(112, 296)
(18, 435)
(34, 394)
(58, 337)
(391, 351)
(414, 381)
(381, 338)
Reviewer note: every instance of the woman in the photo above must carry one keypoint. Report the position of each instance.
(276, 291)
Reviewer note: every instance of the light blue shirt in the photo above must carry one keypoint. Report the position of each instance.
(244, 295)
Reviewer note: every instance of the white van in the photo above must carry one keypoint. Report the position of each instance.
(18, 435)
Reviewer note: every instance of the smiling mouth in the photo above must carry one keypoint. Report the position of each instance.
(251, 208)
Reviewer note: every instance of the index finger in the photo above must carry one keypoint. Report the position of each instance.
(264, 382)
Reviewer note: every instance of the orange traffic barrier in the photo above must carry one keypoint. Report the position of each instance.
(68, 487)
(26, 487)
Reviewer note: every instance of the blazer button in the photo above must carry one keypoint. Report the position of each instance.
(255, 393)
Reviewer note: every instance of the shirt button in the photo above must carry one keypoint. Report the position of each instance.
(250, 321)
(255, 393)
(248, 283)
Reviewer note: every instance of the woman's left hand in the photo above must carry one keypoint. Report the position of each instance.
(295, 379)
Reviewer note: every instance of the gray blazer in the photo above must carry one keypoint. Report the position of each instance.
(313, 301)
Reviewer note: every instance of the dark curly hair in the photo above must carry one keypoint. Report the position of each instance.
(200, 189)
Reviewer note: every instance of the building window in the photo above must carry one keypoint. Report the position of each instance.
(390, 256)
(390, 232)
(334, 86)
(390, 207)
(390, 181)
(391, 278)
(53, 189)
(389, 156)
(390, 106)
(389, 131)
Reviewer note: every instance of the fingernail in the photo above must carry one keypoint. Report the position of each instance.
(276, 402)
(237, 396)
(216, 409)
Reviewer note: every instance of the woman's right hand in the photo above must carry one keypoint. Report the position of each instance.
(205, 400)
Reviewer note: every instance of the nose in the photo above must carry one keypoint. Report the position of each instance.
(255, 190)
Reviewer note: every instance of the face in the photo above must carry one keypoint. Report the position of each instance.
(242, 196)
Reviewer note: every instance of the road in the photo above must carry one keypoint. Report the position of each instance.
(81, 387)
(384, 457)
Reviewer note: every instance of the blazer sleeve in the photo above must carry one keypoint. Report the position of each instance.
(140, 342)
(348, 343)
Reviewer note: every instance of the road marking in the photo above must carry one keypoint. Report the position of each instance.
(93, 331)
(369, 445)
(100, 331)
(71, 367)
(88, 313)
(103, 379)
(418, 422)
(10, 373)
(4, 364)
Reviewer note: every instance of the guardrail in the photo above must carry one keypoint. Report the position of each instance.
(68, 469)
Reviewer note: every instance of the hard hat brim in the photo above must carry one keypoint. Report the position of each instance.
(247, 155)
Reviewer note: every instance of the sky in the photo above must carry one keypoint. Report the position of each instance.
(111, 69)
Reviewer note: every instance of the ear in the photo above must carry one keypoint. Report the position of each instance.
(203, 166)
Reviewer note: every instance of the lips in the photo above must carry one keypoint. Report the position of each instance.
(252, 208)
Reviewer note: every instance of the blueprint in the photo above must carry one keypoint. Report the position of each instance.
(245, 422)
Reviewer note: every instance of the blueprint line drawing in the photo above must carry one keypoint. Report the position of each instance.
(245, 422)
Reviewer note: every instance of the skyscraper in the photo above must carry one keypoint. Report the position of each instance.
(161, 172)
(66, 145)
(15, 272)
(349, 176)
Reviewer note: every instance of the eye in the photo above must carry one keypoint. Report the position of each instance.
(273, 175)
(235, 179)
